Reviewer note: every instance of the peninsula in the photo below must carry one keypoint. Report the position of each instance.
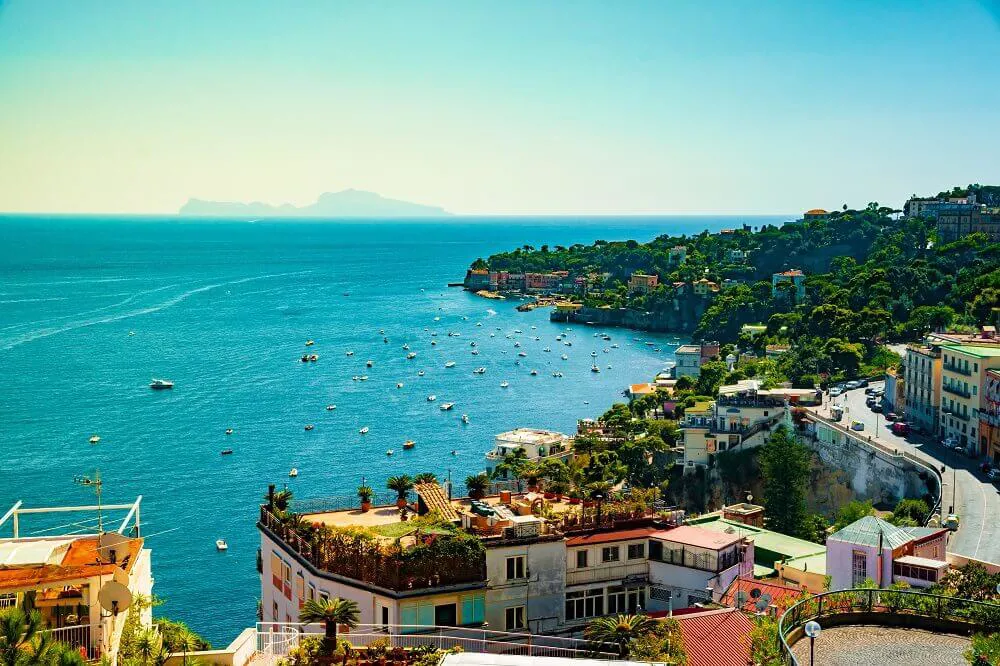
(346, 203)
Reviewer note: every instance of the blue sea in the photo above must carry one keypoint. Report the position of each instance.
(92, 308)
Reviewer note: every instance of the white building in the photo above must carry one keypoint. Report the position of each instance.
(688, 361)
(741, 417)
(67, 574)
(537, 444)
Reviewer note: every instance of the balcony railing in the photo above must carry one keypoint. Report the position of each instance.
(905, 607)
(78, 638)
(956, 390)
(8, 601)
(951, 367)
(603, 572)
(352, 557)
(752, 402)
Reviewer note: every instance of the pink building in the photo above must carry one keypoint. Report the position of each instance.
(873, 548)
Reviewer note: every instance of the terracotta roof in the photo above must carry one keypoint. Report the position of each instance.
(754, 591)
(816, 211)
(433, 496)
(79, 562)
(716, 637)
(697, 536)
(609, 537)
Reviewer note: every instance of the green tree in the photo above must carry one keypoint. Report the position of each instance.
(619, 631)
(425, 477)
(785, 465)
(331, 612)
(477, 485)
(912, 512)
(710, 378)
(851, 512)
(984, 651)
(402, 485)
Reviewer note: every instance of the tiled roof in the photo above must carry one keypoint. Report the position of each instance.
(609, 537)
(716, 637)
(868, 531)
(433, 496)
(753, 596)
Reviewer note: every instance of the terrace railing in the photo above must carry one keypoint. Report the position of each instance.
(875, 606)
(276, 640)
(78, 637)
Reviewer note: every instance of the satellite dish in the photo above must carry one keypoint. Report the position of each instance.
(110, 545)
(755, 593)
(763, 603)
(114, 597)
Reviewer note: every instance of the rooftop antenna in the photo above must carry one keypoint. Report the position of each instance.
(96, 484)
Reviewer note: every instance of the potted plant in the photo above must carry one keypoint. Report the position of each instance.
(365, 494)
(531, 473)
(477, 485)
(402, 485)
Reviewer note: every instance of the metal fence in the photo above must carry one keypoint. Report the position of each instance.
(276, 640)
(873, 602)
(77, 637)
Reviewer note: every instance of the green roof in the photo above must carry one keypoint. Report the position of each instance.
(992, 351)
(870, 531)
(809, 563)
(768, 546)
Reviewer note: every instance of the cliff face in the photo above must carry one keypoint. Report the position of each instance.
(682, 318)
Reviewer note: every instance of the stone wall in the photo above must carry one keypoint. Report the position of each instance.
(682, 318)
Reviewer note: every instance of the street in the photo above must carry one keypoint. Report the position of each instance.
(974, 497)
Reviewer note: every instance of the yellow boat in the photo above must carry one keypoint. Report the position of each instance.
(409, 444)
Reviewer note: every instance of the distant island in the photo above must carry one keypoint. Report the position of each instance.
(347, 203)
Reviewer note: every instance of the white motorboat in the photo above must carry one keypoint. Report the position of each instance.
(431, 398)
(522, 354)
(564, 357)
(389, 452)
(411, 356)
(399, 384)
(420, 373)
(447, 406)
(370, 363)
(594, 368)
(475, 352)
(479, 371)
(594, 354)
(330, 408)
(547, 349)
(364, 431)
(95, 439)
(160, 384)
(350, 353)
(533, 372)
(449, 364)
(363, 378)
(465, 418)
(504, 384)
(406, 346)
(220, 544)
(294, 472)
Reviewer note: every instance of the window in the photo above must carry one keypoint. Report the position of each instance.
(276, 566)
(515, 567)
(610, 554)
(324, 597)
(656, 550)
(385, 618)
(312, 592)
(859, 567)
(274, 611)
(636, 551)
(616, 600)
(514, 618)
(583, 604)
(581, 559)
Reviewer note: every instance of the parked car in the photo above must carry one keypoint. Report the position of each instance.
(870, 401)
(951, 522)
(862, 383)
(900, 428)
(949, 442)
(857, 425)
(892, 416)
(959, 448)
(877, 408)
(853, 384)
(993, 473)
(869, 391)
(835, 391)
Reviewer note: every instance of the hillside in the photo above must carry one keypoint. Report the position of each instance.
(344, 204)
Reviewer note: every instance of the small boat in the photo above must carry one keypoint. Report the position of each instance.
(517, 344)
(350, 353)
(522, 354)
(408, 444)
(609, 366)
(347, 293)
(479, 323)
(614, 346)
(433, 343)
(95, 439)
(220, 544)
(227, 452)
(399, 384)
(293, 472)
(389, 452)
(385, 340)
(431, 398)
(363, 378)
(131, 332)
(355, 378)
(447, 406)
(229, 431)
(437, 318)
(364, 431)
(420, 373)
(493, 335)
(593, 353)
(537, 338)
(160, 384)
(309, 426)
(517, 362)
(475, 352)
(449, 364)
(411, 356)
(479, 371)
(330, 408)
(406, 346)
(454, 452)
(313, 357)
(568, 343)
(465, 418)
(559, 338)
(657, 349)
(533, 372)
(504, 384)
(381, 331)
(533, 327)
(472, 344)
(370, 363)
(564, 357)
(650, 344)
(310, 343)
(517, 330)
(547, 349)
(606, 350)
(557, 374)
(594, 368)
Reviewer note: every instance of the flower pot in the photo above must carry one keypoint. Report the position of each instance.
(549, 495)
(400, 503)
(533, 488)
(574, 500)
(365, 506)
(588, 503)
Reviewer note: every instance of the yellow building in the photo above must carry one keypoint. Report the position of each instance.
(640, 283)
(963, 375)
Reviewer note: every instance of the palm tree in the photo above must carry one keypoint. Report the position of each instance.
(477, 485)
(425, 477)
(402, 485)
(511, 464)
(530, 472)
(281, 499)
(17, 630)
(147, 645)
(620, 631)
(331, 612)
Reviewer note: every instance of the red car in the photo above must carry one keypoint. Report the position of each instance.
(891, 416)
(900, 428)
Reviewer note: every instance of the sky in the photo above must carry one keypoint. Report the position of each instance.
(517, 107)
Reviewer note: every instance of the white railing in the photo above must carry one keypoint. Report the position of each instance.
(76, 637)
(8, 601)
(278, 639)
(605, 573)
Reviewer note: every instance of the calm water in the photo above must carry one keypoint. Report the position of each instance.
(223, 309)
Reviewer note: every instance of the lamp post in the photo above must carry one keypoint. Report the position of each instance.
(598, 497)
(812, 630)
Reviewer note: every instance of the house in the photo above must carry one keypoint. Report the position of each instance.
(740, 418)
(791, 282)
(871, 548)
(963, 373)
(639, 390)
(688, 358)
(958, 220)
(774, 351)
(689, 564)
(680, 288)
(737, 256)
(716, 637)
(989, 416)
(815, 214)
(922, 377)
(919, 206)
(536, 444)
(704, 287)
(65, 574)
(677, 255)
(758, 596)
(753, 330)
(477, 279)
(640, 283)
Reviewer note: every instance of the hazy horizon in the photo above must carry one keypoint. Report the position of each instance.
(591, 108)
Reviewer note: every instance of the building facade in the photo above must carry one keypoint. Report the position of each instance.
(536, 444)
(793, 280)
(963, 373)
(640, 283)
(989, 416)
(958, 220)
(923, 386)
(735, 420)
(871, 548)
(688, 359)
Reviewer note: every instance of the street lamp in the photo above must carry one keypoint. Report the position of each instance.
(598, 497)
(812, 631)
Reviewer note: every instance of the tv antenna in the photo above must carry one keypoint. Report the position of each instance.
(95, 483)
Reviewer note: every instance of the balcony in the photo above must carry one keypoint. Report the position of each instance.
(607, 572)
(749, 401)
(956, 390)
(952, 367)
(78, 638)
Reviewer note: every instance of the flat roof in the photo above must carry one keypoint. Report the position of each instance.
(984, 351)
(609, 537)
(922, 562)
(80, 561)
(696, 536)
(688, 349)
(782, 544)
(815, 563)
